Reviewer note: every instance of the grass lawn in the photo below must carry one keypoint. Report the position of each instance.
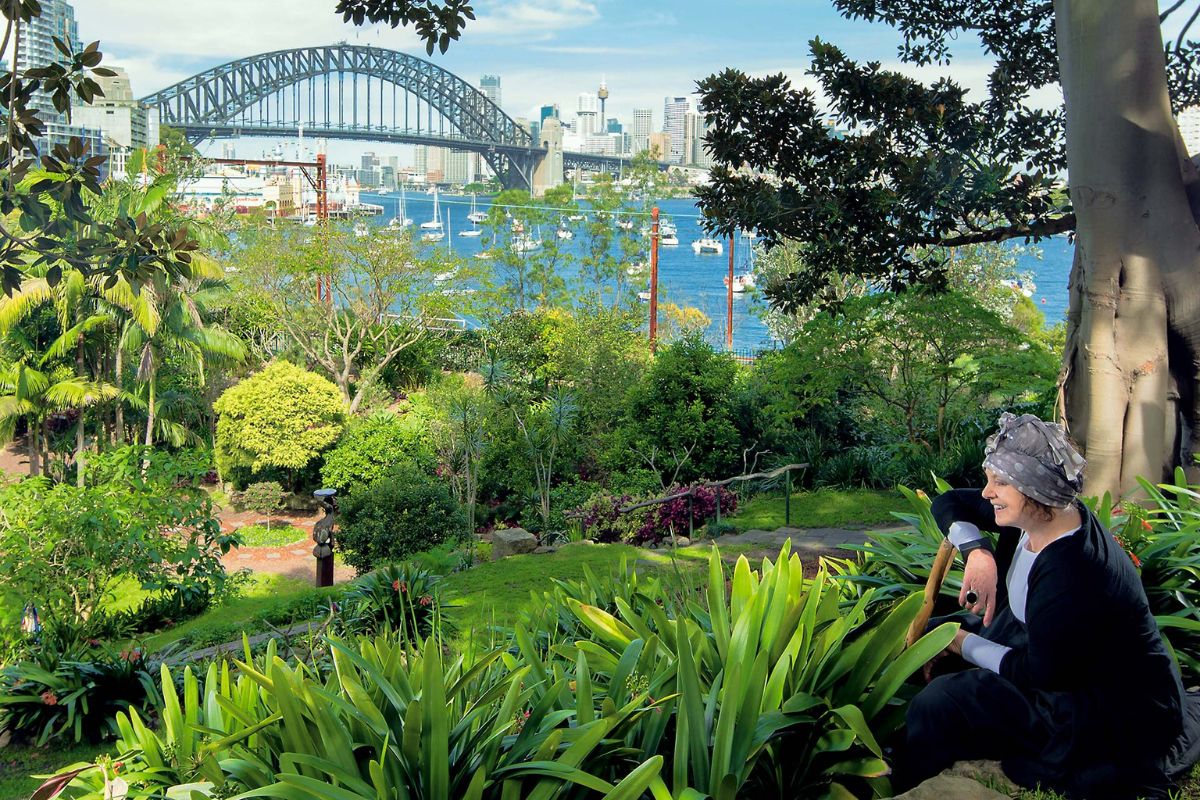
(260, 596)
(495, 592)
(278, 536)
(820, 508)
(18, 763)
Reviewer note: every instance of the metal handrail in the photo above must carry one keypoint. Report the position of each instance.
(786, 471)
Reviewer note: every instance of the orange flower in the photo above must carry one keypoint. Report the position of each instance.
(49, 698)
(1146, 525)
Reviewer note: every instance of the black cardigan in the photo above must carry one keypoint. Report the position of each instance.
(1091, 649)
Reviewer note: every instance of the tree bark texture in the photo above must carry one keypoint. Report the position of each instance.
(1130, 366)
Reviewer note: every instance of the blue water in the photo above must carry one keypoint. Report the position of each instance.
(688, 279)
(1050, 273)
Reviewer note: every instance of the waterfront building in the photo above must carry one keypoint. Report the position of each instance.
(490, 86)
(675, 111)
(643, 124)
(457, 167)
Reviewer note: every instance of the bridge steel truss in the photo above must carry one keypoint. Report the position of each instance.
(209, 104)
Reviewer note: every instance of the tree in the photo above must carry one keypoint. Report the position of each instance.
(915, 167)
(381, 291)
(678, 419)
(283, 416)
(527, 258)
(35, 395)
(264, 497)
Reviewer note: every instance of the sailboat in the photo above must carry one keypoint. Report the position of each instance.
(435, 235)
(476, 216)
(524, 243)
(401, 219)
(434, 224)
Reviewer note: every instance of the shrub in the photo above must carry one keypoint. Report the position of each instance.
(402, 513)
(63, 548)
(265, 497)
(603, 521)
(679, 416)
(283, 417)
(370, 447)
(398, 598)
(73, 693)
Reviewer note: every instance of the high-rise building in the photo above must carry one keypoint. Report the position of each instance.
(675, 110)
(122, 120)
(613, 126)
(548, 111)
(35, 47)
(643, 124)
(457, 167)
(587, 112)
(490, 86)
(659, 144)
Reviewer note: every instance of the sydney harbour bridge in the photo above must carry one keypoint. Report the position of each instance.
(345, 91)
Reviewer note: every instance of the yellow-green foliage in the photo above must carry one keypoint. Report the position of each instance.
(283, 416)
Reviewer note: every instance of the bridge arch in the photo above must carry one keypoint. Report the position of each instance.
(207, 104)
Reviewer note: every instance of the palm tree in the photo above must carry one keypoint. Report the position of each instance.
(34, 395)
(177, 325)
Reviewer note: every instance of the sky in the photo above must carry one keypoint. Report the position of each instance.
(545, 51)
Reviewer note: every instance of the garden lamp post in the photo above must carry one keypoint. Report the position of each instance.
(323, 536)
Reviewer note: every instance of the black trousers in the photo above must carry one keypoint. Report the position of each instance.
(977, 714)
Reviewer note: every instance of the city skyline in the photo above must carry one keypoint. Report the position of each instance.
(545, 53)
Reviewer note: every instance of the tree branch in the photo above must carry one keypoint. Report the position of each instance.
(1049, 227)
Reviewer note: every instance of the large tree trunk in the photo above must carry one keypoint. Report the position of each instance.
(1130, 364)
(119, 422)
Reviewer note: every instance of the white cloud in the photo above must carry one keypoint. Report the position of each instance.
(530, 20)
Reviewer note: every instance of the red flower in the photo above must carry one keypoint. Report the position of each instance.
(396, 585)
(1146, 525)
(1137, 562)
(49, 698)
(425, 600)
(400, 586)
(117, 766)
(93, 642)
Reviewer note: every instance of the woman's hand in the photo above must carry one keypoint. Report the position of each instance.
(954, 647)
(980, 577)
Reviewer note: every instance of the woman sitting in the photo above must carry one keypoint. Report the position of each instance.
(1074, 689)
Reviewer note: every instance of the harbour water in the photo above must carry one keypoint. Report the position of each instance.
(687, 278)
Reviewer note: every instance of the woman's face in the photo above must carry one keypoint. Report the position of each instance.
(1007, 501)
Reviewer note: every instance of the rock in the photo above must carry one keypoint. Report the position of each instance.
(511, 542)
(545, 548)
(682, 541)
(989, 772)
(940, 787)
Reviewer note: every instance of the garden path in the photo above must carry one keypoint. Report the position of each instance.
(291, 560)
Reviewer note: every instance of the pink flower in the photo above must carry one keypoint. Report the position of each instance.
(425, 600)
(49, 698)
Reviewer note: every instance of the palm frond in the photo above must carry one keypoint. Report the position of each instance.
(76, 392)
(33, 293)
(69, 339)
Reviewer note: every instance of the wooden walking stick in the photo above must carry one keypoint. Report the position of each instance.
(941, 565)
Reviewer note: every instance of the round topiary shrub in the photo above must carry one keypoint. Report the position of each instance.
(402, 513)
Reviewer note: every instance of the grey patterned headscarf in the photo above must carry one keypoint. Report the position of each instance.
(1036, 457)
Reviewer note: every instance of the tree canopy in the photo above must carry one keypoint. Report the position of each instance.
(887, 170)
